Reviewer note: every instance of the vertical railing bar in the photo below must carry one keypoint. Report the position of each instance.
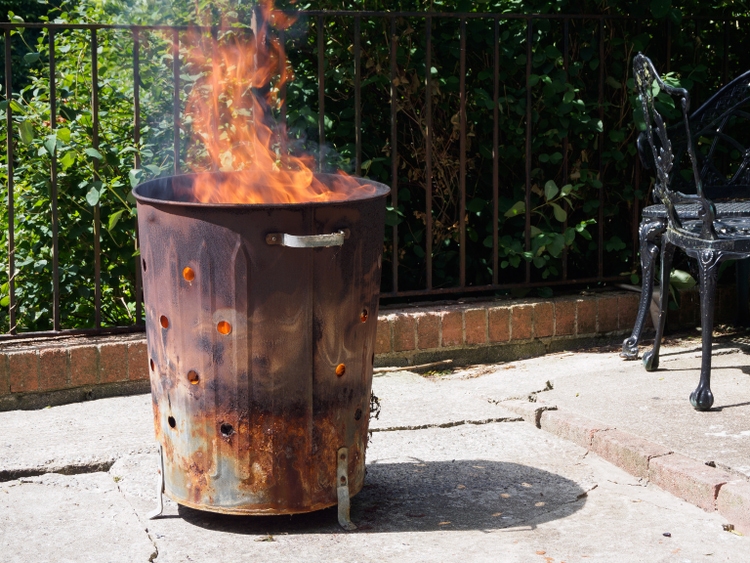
(11, 197)
(696, 58)
(462, 156)
(725, 57)
(669, 44)
(357, 98)
(495, 152)
(600, 249)
(321, 94)
(394, 150)
(636, 210)
(53, 187)
(137, 165)
(97, 210)
(527, 198)
(176, 98)
(565, 171)
(282, 90)
(428, 149)
(636, 215)
(281, 127)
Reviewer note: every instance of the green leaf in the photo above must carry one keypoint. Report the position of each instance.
(50, 143)
(568, 97)
(476, 205)
(613, 82)
(68, 159)
(560, 213)
(615, 243)
(63, 134)
(92, 152)
(555, 248)
(535, 231)
(566, 189)
(550, 190)
(570, 235)
(26, 129)
(392, 217)
(134, 175)
(30, 58)
(114, 218)
(679, 279)
(92, 196)
(660, 8)
(4, 300)
(518, 208)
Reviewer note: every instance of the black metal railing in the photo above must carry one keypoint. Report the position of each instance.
(422, 283)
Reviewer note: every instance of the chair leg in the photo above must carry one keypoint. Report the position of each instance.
(708, 262)
(649, 233)
(651, 358)
(743, 292)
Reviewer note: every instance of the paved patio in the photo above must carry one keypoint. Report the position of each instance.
(454, 472)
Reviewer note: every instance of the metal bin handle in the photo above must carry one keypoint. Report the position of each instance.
(307, 241)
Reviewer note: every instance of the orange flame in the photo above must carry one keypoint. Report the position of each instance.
(230, 111)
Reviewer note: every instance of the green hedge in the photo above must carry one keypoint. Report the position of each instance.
(571, 198)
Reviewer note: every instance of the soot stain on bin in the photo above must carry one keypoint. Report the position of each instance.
(317, 328)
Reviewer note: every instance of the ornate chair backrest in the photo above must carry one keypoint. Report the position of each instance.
(648, 85)
(721, 128)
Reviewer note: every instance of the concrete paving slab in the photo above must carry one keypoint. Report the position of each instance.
(412, 401)
(70, 519)
(74, 438)
(494, 492)
(655, 405)
(444, 482)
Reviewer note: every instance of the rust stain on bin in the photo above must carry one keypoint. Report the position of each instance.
(259, 430)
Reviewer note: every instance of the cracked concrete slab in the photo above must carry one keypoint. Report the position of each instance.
(496, 492)
(75, 438)
(70, 519)
(412, 401)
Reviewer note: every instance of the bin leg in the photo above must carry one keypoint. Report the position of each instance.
(342, 489)
(160, 488)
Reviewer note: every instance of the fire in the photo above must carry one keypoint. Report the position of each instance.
(230, 111)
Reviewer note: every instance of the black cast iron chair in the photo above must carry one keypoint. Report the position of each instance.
(725, 179)
(691, 219)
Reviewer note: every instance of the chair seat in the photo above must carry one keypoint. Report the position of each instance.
(729, 228)
(688, 211)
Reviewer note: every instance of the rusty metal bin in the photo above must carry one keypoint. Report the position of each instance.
(261, 323)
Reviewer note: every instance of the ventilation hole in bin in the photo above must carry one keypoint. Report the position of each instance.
(363, 315)
(188, 273)
(357, 414)
(340, 369)
(172, 422)
(164, 321)
(143, 263)
(151, 362)
(372, 359)
(224, 327)
(226, 430)
(193, 377)
(343, 480)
